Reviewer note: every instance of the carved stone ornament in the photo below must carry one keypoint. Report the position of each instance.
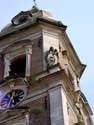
(22, 17)
(51, 57)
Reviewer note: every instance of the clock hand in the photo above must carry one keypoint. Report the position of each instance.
(12, 97)
(9, 103)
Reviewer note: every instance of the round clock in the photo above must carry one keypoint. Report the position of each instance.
(12, 98)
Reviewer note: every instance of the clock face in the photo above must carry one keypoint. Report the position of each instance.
(12, 98)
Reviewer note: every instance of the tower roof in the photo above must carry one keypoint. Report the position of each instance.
(29, 17)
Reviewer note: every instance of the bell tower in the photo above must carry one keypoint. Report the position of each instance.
(40, 73)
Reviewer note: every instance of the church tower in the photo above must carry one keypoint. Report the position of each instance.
(40, 73)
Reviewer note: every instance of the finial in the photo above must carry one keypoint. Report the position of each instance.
(35, 3)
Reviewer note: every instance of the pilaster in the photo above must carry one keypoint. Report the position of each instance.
(58, 106)
(28, 60)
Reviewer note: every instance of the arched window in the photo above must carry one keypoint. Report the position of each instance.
(18, 59)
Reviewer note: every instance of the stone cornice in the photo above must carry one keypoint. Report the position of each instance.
(32, 23)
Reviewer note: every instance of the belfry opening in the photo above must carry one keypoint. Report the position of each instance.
(18, 66)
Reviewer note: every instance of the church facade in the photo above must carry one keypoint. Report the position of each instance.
(40, 73)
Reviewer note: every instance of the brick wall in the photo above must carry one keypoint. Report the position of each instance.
(1, 67)
(37, 56)
(42, 103)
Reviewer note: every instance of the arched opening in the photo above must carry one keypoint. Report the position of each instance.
(18, 65)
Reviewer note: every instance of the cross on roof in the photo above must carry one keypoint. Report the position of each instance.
(34, 2)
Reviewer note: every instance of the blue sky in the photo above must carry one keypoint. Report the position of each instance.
(78, 16)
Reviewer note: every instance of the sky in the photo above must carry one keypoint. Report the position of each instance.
(78, 15)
